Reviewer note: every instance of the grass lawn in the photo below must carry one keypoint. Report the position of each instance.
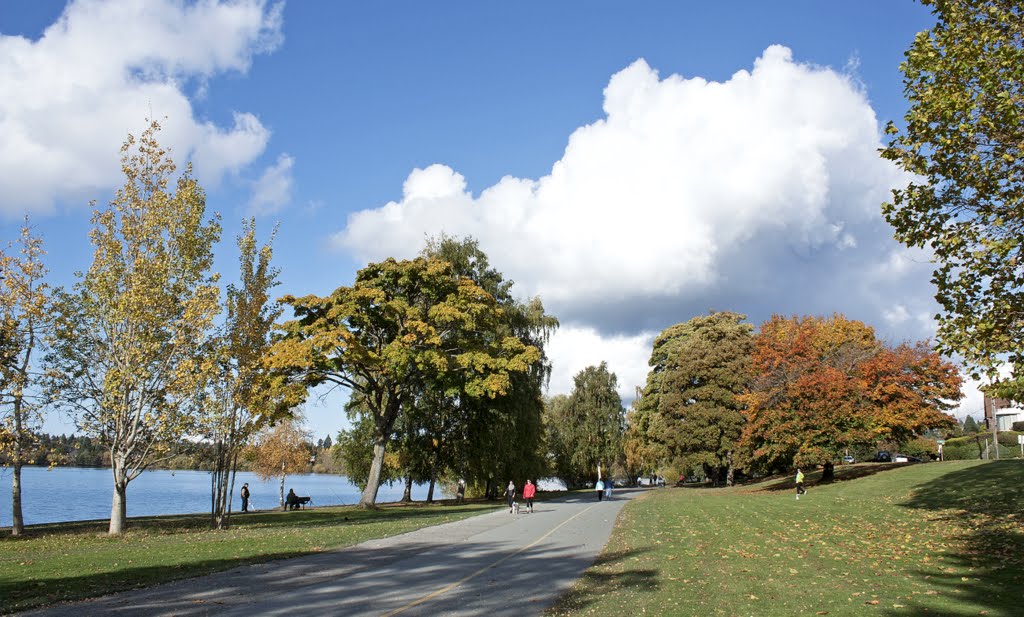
(71, 561)
(927, 539)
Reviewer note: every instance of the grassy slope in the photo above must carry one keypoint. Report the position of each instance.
(929, 539)
(77, 560)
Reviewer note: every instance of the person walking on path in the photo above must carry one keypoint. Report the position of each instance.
(510, 494)
(460, 492)
(608, 488)
(599, 487)
(245, 497)
(800, 490)
(528, 492)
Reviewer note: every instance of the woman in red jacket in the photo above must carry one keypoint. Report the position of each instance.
(528, 492)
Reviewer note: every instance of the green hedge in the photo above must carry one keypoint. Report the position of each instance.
(966, 448)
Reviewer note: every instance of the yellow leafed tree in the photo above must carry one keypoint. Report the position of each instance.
(128, 356)
(24, 299)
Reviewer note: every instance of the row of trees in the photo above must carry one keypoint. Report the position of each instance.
(445, 369)
(132, 351)
(800, 392)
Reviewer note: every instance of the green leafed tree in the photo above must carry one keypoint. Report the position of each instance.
(586, 430)
(701, 369)
(128, 357)
(963, 143)
(483, 439)
(400, 326)
(24, 319)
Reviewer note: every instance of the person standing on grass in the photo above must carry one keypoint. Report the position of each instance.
(800, 490)
(510, 494)
(245, 497)
(528, 492)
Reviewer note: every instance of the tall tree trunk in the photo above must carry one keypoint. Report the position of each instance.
(17, 521)
(828, 472)
(407, 493)
(433, 476)
(119, 506)
(730, 474)
(282, 485)
(369, 497)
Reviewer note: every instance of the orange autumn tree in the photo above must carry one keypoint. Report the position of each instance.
(822, 385)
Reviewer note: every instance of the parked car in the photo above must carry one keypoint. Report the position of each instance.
(906, 458)
(848, 459)
(882, 456)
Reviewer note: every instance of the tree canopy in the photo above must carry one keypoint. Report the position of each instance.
(129, 358)
(401, 326)
(963, 141)
(691, 405)
(585, 429)
(821, 386)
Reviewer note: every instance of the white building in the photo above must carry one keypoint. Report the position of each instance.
(1003, 412)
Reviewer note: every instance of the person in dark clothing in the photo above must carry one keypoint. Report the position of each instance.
(291, 501)
(245, 497)
(510, 494)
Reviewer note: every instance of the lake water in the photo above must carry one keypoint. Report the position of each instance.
(85, 493)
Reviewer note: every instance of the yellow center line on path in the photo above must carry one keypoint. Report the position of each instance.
(448, 588)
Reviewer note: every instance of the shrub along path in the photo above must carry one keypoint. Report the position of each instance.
(924, 539)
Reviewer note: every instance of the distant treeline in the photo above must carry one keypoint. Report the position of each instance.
(82, 451)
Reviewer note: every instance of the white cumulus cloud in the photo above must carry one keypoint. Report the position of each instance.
(273, 190)
(574, 348)
(758, 194)
(71, 97)
(651, 198)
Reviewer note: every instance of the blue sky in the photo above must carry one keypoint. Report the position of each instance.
(634, 164)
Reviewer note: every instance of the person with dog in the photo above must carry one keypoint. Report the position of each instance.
(528, 492)
(510, 494)
(245, 497)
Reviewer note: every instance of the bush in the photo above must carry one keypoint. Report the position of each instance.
(1018, 426)
(1008, 438)
(920, 447)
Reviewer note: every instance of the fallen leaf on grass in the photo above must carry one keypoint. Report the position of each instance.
(872, 602)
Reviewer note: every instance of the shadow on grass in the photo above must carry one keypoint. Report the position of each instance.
(842, 474)
(987, 503)
(607, 575)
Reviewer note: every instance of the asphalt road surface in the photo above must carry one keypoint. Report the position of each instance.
(493, 564)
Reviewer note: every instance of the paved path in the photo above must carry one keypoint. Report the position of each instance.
(494, 564)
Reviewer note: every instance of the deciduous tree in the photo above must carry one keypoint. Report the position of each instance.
(588, 426)
(963, 143)
(822, 386)
(24, 318)
(401, 326)
(129, 356)
(279, 451)
(238, 404)
(702, 369)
